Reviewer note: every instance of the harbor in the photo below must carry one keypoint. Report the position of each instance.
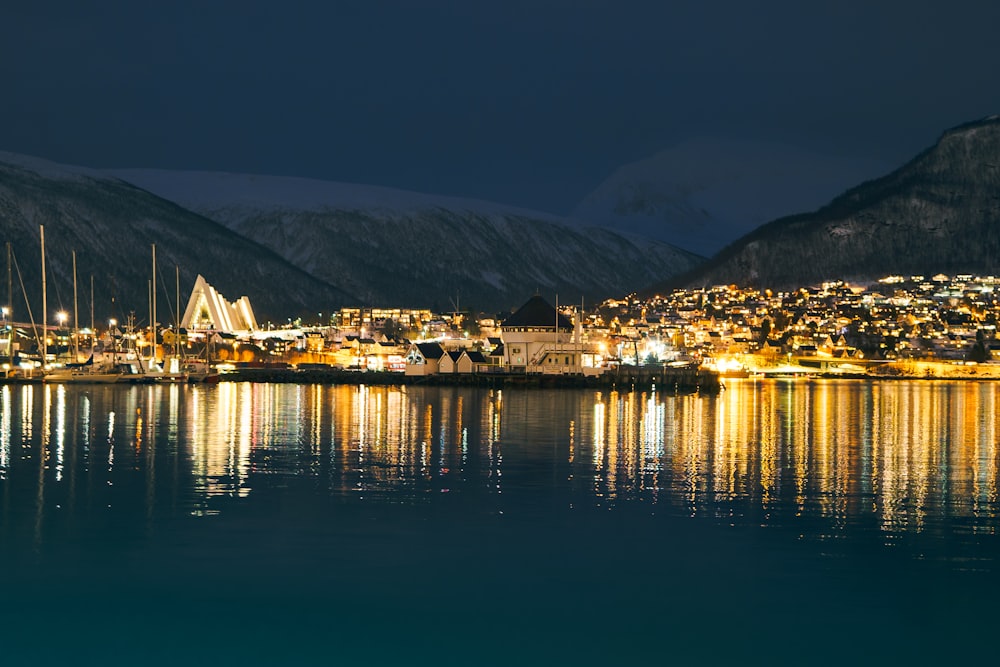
(679, 380)
(685, 342)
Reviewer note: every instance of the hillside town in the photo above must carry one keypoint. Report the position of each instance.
(900, 326)
(910, 326)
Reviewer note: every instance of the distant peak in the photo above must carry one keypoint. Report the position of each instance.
(972, 126)
(49, 169)
(205, 190)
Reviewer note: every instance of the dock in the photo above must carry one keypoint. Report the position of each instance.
(624, 378)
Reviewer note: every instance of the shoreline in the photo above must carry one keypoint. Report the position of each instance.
(686, 380)
(679, 380)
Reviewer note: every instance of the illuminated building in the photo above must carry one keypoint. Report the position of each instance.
(207, 309)
(538, 339)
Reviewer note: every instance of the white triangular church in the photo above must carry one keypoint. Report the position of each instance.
(207, 309)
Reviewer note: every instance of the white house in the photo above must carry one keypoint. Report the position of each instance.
(455, 361)
(424, 359)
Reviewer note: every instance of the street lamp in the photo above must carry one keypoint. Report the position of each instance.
(112, 328)
(61, 319)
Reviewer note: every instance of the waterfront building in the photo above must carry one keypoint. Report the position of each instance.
(455, 361)
(539, 339)
(208, 309)
(423, 358)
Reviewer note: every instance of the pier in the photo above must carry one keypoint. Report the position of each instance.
(624, 378)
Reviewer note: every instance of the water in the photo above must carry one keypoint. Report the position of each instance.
(818, 522)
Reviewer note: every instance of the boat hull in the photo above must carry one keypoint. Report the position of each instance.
(83, 378)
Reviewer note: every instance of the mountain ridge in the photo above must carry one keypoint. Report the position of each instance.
(939, 211)
(112, 225)
(296, 258)
(394, 246)
(207, 190)
(705, 191)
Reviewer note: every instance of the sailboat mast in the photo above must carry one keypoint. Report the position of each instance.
(152, 323)
(555, 346)
(10, 307)
(177, 310)
(45, 304)
(76, 319)
(149, 305)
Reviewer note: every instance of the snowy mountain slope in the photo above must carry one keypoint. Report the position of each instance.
(51, 170)
(112, 225)
(208, 190)
(705, 193)
(940, 212)
(399, 248)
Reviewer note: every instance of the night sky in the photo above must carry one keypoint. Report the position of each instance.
(528, 103)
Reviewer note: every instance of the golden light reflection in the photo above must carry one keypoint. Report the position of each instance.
(84, 432)
(28, 408)
(138, 430)
(600, 429)
(4, 431)
(60, 431)
(840, 450)
(111, 440)
(222, 425)
(494, 457)
(897, 456)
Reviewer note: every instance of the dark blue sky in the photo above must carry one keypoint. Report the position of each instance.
(529, 103)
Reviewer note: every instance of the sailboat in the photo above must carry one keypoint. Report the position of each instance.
(9, 369)
(86, 372)
(89, 371)
(14, 370)
(201, 369)
(155, 372)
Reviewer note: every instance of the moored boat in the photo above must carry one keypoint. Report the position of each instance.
(201, 371)
(86, 372)
(76, 376)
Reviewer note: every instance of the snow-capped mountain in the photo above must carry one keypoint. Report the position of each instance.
(211, 191)
(704, 193)
(403, 248)
(111, 226)
(940, 212)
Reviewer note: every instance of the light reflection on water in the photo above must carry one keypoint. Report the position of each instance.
(904, 454)
(381, 525)
(826, 458)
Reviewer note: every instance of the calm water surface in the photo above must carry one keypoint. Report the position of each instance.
(817, 522)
